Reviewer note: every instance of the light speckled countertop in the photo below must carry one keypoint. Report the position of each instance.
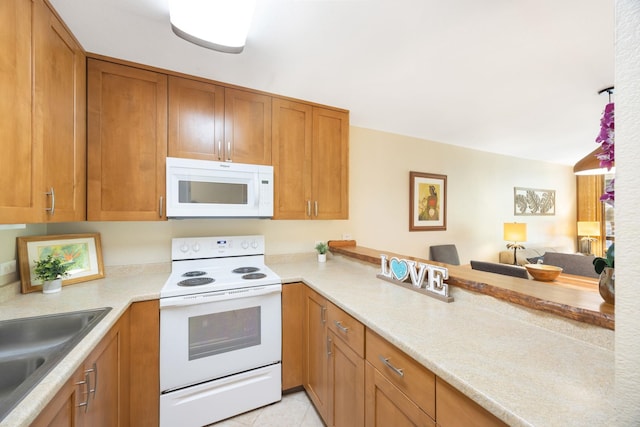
(527, 368)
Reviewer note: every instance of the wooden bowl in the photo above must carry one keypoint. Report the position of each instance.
(543, 272)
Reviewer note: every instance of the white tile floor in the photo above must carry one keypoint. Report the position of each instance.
(294, 410)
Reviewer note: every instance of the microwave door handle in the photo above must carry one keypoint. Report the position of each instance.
(223, 296)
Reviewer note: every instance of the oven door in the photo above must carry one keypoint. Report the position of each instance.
(211, 335)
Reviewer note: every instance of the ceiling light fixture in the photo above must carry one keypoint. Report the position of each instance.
(220, 25)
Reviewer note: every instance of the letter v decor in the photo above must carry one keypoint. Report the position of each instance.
(402, 271)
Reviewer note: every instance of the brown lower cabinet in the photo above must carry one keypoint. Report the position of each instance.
(333, 361)
(293, 298)
(117, 384)
(354, 377)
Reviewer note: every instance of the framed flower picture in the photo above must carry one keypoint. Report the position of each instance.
(82, 251)
(427, 201)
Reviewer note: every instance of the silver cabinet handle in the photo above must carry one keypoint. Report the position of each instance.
(388, 364)
(308, 208)
(229, 151)
(328, 346)
(52, 209)
(340, 326)
(316, 207)
(219, 150)
(94, 369)
(87, 386)
(323, 315)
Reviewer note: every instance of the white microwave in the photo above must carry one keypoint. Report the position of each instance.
(208, 189)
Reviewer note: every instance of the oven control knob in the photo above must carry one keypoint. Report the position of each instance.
(245, 244)
(254, 244)
(184, 248)
(195, 247)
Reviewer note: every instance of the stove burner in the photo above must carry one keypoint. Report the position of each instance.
(197, 281)
(245, 270)
(194, 273)
(253, 276)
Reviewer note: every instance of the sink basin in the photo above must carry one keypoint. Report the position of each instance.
(31, 347)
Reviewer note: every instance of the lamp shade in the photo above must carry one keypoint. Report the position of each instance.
(515, 231)
(589, 228)
(590, 165)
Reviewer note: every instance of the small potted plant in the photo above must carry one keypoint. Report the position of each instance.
(605, 267)
(51, 270)
(322, 249)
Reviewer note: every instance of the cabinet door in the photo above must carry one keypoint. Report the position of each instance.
(20, 160)
(61, 411)
(292, 136)
(196, 119)
(106, 372)
(144, 356)
(316, 351)
(127, 142)
(330, 164)
(292, 333)
(59, 122)
(454, 409)
(247, 127)
(346, 385)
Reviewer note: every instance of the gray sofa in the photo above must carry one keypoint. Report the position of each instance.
(578, 264)
(525, 256)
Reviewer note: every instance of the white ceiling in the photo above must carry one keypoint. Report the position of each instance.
(517, 77)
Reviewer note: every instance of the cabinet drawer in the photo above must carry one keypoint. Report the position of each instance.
(347, 328)
(386, 405)
(413, 379)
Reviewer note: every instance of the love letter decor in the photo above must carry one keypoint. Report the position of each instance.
(425, 278)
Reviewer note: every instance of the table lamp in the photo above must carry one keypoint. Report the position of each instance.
(515, 232)
(590, 230)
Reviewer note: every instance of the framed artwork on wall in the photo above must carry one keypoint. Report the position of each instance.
(83, 250)
(530, 201)
(427, 201)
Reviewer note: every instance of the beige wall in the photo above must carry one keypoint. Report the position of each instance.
(480, 200)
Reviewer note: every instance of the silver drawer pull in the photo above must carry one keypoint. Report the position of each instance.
(388, 364)
(87, 387)
(339, 325)
(328, 346)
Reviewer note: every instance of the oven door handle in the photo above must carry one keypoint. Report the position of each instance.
(206, 298)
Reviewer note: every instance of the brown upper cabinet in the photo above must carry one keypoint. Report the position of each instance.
(42, 117)
(127, 142)
(211, 122)
(310, 160)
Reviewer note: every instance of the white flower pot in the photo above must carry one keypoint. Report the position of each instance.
(322, 257)
(52, 286)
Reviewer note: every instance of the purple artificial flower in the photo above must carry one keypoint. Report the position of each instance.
(606, 138)
(609, 194)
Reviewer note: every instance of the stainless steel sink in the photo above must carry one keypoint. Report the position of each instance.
(31, 347)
